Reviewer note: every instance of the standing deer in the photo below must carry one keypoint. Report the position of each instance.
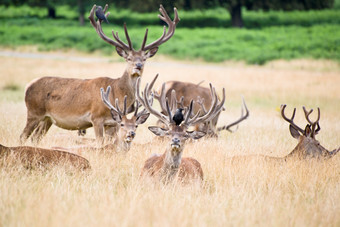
(74, 104)
(308, 146)
(171, 163)
(40, 157)
(185, 92)
(126, 126)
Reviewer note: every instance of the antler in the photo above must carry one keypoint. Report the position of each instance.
(174, 103)
(313, 124)
(215, 108)
(291, 120)
(144, 111)
(242, 118)
(98, 27)
(106, 101)
(148, 107)
(166, 35)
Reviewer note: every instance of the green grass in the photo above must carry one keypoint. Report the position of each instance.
(269, 36)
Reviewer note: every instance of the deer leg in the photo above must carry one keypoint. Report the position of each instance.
(31, 124)
(98, 126)
(41, 130)
(111, 132)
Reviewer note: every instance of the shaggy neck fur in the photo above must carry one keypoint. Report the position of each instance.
(172, 161)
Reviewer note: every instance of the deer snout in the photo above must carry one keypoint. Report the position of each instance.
(175, 141)
(175, 144)
(139, 65)
(132, 134)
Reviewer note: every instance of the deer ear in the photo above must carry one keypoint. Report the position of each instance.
(116, 116)
(151, 52)
(142, 118)
(121, 52)
(295, 133)
(195, 134)
(158, 131)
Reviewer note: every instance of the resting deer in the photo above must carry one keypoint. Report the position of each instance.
(74, 104)
(126, 126)
(308, 146)
(171, 163)
(40, 157)
(185, 92)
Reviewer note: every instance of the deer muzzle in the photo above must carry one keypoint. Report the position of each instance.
(175, 145)
(130, 136)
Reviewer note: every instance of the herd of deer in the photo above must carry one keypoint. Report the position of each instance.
(77, 104)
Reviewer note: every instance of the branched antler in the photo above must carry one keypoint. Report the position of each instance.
(242, 118)
(291, 120)
(315, 125)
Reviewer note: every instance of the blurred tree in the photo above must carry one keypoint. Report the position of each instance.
(235, 6)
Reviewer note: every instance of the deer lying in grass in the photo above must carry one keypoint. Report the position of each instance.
(39, 157)
(74, 104)
(308, 146)
(126, 129)
(185, 92)
(171, 164)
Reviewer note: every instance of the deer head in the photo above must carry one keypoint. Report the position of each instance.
(136, 58)
(178, 134)
(127, 126)
(308, 146)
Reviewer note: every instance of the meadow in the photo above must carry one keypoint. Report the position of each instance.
(242, 193)
(267, 35)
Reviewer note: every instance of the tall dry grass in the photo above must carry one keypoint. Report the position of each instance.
(241, 193)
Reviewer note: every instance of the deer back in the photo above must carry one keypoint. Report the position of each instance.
(33, 156)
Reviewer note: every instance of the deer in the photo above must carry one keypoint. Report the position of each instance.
(75, 104)
(31, 157)
(127, 126)
(171, 164)
(308, 146)
(185, 92)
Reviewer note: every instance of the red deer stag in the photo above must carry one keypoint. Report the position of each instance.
(308, 146)
(40, 157)
(185, 92)
(74, 104)
(171, 164)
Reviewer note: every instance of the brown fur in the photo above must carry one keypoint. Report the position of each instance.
(34, 156)
(190, 169)
(62, 100)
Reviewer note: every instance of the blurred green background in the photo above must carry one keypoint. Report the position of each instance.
(254, 31)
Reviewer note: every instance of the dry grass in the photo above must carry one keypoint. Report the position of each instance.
(242, 193)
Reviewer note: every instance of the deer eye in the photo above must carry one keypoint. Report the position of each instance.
(122, 125)
(129, 58)
(136, 126)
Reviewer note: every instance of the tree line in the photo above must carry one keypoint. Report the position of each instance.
(234, 7)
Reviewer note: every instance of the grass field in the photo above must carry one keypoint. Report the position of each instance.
(243, 193)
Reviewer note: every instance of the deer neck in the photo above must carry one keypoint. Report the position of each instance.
(309, 147)
(172, 161)
(130, 79)
(122, 145)
(127, 84)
